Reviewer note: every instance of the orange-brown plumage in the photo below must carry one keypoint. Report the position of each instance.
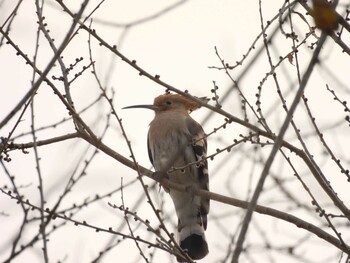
(177, 102)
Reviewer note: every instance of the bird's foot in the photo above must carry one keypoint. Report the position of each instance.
(158, 176)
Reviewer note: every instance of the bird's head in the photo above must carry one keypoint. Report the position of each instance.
(169, 101)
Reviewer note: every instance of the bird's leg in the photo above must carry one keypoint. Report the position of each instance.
(159, 175)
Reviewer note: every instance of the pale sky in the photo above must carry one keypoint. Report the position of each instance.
(180, 47)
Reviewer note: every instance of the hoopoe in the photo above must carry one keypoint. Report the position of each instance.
(177, 146)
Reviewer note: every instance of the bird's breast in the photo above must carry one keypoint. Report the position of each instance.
(169, 141)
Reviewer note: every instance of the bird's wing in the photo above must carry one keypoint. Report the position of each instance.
(149, 151)
(199, 146)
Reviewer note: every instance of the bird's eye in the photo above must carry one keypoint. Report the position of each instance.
(168, 102)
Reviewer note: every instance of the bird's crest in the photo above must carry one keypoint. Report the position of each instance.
(169, 98)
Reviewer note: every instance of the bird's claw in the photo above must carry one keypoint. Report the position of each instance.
(158, 176)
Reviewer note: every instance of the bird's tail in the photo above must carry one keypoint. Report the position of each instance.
(193, 242)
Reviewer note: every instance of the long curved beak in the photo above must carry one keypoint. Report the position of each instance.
(145, 106)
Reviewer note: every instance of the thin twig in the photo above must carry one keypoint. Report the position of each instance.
(276, 147)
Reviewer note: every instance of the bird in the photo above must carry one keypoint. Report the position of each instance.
(177, 147)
